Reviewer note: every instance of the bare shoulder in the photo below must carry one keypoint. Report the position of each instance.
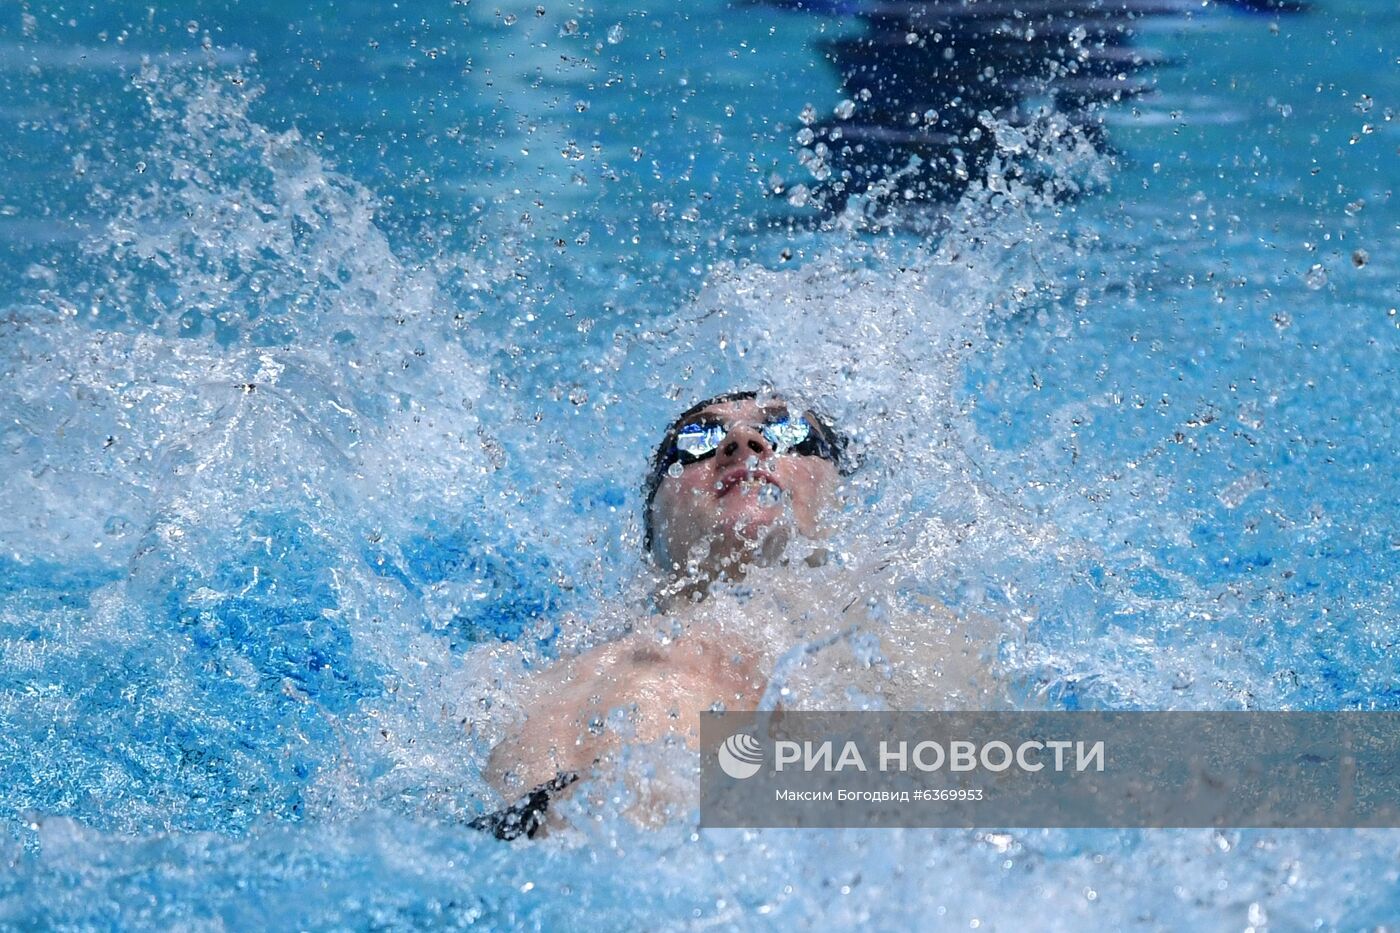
(636, 688)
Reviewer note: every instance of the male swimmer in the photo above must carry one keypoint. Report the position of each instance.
(737, 501)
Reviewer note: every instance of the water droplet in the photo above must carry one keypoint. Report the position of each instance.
(1316, 277)
(1359, 258)
(675, 469)
(616, 34)
(509, 19)
(1364, 103)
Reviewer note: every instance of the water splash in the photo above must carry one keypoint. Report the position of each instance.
(293, 566)
(243, 436)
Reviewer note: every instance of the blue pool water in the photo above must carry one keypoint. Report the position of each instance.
(334, 339)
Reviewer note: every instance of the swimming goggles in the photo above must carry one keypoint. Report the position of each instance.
(785, 432)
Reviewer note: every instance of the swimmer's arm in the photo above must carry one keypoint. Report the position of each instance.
(546, 742)
(566, 727)
(552, 738)
(565, 707)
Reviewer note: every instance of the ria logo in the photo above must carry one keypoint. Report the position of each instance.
(740, 756)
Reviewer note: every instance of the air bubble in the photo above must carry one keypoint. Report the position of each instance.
(1315, 277)
(616, 34)
(846, 109)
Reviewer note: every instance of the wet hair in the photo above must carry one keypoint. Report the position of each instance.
(834, 439)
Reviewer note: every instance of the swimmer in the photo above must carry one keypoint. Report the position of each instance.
(738, 499)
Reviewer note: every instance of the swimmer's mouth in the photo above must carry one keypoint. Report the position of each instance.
(737, 477)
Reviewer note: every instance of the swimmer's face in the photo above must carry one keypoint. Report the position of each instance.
(745, 499)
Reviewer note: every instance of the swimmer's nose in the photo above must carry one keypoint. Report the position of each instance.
(744, 441)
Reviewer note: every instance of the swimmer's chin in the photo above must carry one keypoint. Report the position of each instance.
(756, 533)
(731, 551)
